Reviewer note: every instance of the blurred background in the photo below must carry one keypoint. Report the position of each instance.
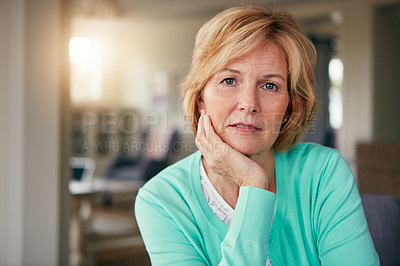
(90, 109)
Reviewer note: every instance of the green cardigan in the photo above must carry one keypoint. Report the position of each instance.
(319, 219)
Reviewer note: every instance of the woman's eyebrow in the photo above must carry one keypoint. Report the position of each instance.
(230, 70)
(235, 71)
(274, 76)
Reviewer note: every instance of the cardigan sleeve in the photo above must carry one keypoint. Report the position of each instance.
(342, 232)
(246, 242)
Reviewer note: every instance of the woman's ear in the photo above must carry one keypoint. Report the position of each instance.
(287, 115)
(200, 104)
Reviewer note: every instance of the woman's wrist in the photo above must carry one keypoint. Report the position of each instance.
(259, 183)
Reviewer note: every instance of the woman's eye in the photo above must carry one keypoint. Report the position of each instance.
(229, 81)
(270, 86)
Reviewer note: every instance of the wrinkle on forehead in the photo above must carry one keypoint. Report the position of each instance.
(274, 60)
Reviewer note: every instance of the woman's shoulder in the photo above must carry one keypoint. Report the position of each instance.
(170, 188)
(306, 151)
(313, 158)
(175, 178)
(313, 162)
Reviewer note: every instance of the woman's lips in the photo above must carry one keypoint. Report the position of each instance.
(245, 128)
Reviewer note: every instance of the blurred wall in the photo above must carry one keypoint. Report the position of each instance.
(356, 36)
(11, 135)
(30, 137)
(387, 73)
(3, 108)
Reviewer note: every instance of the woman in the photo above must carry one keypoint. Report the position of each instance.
(251, 195)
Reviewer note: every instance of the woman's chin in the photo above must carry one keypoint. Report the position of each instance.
(246, 149)
(248, 146)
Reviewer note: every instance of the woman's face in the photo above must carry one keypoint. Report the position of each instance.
(248, 99)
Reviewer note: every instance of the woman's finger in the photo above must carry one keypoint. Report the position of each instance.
(207, 126)
(200, 130)
(201, 140)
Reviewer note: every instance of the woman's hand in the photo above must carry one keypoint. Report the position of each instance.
(226, 161)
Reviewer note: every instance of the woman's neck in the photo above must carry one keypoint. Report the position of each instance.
(229, 190)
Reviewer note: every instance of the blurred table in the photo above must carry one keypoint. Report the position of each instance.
(83, 193)
(103, 185)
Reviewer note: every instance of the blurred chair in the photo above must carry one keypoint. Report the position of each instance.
(154, 153)
(383, 217)
(378, 168)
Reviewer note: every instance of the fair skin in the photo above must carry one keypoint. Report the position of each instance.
(242, 108)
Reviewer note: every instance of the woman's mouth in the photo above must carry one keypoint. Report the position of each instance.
(245, 128)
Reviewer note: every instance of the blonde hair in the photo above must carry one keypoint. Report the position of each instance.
(238, 30)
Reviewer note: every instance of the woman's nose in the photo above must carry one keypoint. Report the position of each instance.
(248, 101)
